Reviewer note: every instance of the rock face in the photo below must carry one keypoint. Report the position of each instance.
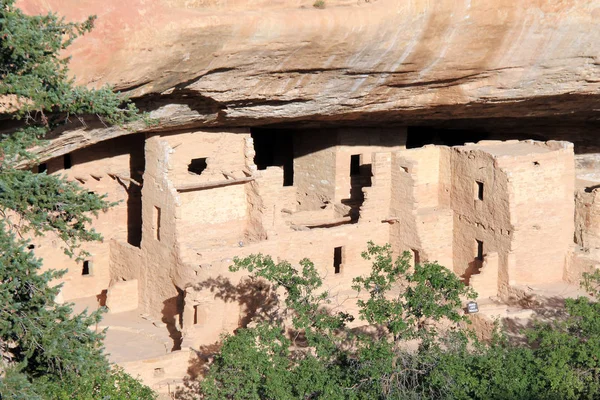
(217, 63)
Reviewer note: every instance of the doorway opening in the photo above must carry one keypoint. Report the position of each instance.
(274, 148)
(360, 177)
(337, 260)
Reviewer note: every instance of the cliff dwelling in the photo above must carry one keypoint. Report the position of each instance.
(307, 133)
(499, 213)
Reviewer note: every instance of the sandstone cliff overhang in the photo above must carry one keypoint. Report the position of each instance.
(238, 63)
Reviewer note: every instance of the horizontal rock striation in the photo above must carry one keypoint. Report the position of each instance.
(240, 63)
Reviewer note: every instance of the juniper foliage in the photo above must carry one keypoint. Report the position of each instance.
(46, 351)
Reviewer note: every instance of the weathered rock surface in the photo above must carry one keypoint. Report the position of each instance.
(217, 62)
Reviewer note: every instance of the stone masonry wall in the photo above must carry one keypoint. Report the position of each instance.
(105, 168)
(484, 219)
(541, 189)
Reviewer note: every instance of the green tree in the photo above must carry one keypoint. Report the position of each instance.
(307, 350)
(46, 351)
(416, 346)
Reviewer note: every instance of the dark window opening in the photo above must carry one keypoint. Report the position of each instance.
(31, 246)
(274, 148)
(157, 217)
(419, 136)
(479, 250)
(195, 315)
(360, 177)
(337, 260)
(67, 163)
(197, 165)
(416, 256)
(87, 268)
(43, 167)
(536, 163)
(479, 190)
(137, 165)
(355, 165)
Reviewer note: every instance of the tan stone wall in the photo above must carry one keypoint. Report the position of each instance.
(224, 152)
(579, 262)
(541, 188)
(214, 284)
(125, 261)
(122, 296)
(424, 224)
(105, 168)
(486, 220)
(486, 282)
(160, 249)
(376, 206)
(314, 168)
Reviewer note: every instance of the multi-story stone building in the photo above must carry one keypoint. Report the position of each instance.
(499, 214)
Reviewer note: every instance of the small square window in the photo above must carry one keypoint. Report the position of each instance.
(197, 165)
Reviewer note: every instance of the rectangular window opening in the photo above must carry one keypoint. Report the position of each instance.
(479, 249)
(196, 315)
(43, 167)
(197, 165)
(337, 260)
(416, 257)
(479, 190)
(157, 220)
(355, 165)
(87, 268)
(67, 163)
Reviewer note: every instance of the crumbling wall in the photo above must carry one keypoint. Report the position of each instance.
(587, 218)
(276, 201)
(125, 261)
(219, 299)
